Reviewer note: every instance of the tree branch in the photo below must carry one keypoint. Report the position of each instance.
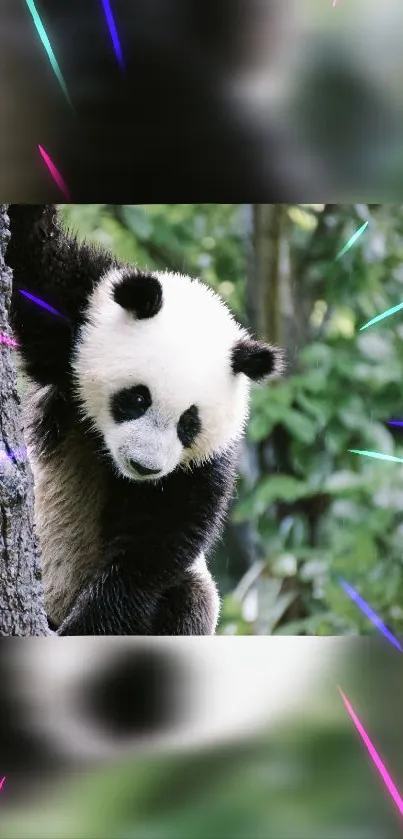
(22, 610)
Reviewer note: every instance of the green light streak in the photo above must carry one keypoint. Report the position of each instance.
(46, 43)
(377, 455)
(382, 316)
(352, 240)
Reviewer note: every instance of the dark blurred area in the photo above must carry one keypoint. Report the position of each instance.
(188, 739)
(241, 100)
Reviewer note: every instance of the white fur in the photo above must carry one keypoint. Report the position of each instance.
(182, 355)
(201, 571)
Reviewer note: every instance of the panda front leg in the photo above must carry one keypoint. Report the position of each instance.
(191, 607)
(156, 581)
(113, 603)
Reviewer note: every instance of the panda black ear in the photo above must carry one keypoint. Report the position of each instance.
(139, 293)
(256, 360)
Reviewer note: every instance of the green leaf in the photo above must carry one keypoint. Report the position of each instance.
(361, 556)
(274, 488)
(317, 355)
(300, 426)
(245, 510)
(320, 409)
(281, 488)
(259, 427)
(343, 482)
(351, 412)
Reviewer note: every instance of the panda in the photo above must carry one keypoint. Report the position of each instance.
(137, 403)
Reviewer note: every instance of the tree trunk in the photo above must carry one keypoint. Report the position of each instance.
(22, 609)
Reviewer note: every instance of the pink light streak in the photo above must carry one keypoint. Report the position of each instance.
(55, 174)
(2, 781)
(374, 755)
(10, 341)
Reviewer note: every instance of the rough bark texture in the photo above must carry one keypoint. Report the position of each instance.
(21, 598)
(268, 224)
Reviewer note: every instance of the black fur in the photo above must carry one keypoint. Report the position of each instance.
(189, 426)
(130, 403)
(55, 268)
(136, 693)
(140, 293)
(255, 359)
(50, 423)
(151, 532)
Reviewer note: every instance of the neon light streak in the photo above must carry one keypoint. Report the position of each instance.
(2, 781)
(382, 316)
(369, 613)
(394, 422)
(377, 455)
(112, 29)
(354, 238)
(5, 340)
(55, 174)
(46, 43)
(374, 755)
(41, 303)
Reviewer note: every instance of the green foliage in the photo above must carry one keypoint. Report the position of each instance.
(200, 239)
(234, 791)
(346, 390)
(316, 508)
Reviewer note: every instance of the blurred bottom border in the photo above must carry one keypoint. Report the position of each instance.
(167, 738)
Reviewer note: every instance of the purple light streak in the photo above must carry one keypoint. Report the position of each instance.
(374, 755)
(41, 303)
(113, 31)
(369, 613)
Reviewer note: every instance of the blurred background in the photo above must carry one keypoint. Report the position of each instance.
(306, 509)
(276, 100)
(198, 738)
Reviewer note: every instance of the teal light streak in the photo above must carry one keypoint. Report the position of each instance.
(46, 43)
(351, 241)
(377, 455)
(382, 316)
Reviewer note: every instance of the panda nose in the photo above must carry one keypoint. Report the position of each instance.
(143, 470)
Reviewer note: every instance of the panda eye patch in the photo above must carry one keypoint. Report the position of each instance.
(130, 403)
(189, 426)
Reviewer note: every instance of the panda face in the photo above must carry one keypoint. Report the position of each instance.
(151, 448)
(145, 442)
(158, 369)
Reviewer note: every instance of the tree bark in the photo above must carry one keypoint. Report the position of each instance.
(22, 610)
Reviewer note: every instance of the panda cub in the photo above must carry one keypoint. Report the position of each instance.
(137, 405)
